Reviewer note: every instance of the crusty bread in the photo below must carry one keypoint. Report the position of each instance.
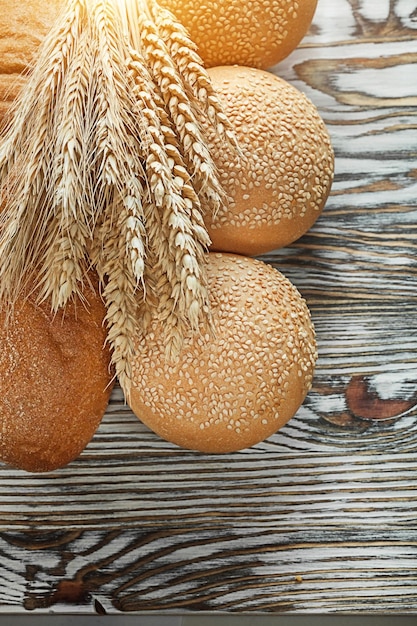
(55, 381)
(234, 389)
(23, 26)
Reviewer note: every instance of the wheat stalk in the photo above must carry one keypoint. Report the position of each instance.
(106, 165)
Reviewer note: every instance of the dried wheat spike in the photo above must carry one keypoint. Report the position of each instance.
(26, 162)
(173, 210)
(189, 64)
(67, 239)
(183, 110)
(105, 165)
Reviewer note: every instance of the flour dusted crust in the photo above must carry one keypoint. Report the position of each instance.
(23, 26)
(235, 388)
(55, 381)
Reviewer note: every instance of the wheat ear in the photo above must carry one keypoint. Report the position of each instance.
(27, 145)
(65, 260)
(118, 288)
(175, 227)
(184, 112)
(190, 66)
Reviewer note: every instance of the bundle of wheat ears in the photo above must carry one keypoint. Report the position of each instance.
(105, 165)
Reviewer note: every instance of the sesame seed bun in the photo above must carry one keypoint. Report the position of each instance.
(232, 390)
(277, 188)
(54, 381)
(258, 33)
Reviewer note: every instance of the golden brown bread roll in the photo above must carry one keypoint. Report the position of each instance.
(237, 388)
(278, 187)
(55, 381)
(258, 33)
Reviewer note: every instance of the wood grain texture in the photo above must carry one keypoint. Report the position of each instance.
(321, 517)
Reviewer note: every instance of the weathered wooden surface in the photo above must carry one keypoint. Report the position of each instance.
(322, 517)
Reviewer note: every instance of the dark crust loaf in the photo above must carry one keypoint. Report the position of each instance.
(55, 381)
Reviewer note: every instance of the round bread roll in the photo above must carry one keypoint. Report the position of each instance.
(278, 186)
(258, 33)
(234, 388)
(55, 381)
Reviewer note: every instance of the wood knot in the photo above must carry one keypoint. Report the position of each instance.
(364, 400)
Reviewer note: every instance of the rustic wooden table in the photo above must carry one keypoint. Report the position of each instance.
(322, 517)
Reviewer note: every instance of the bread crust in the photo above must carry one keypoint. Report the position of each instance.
(278, 186)
(232, 389)
(259, 33)
(55, 381)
